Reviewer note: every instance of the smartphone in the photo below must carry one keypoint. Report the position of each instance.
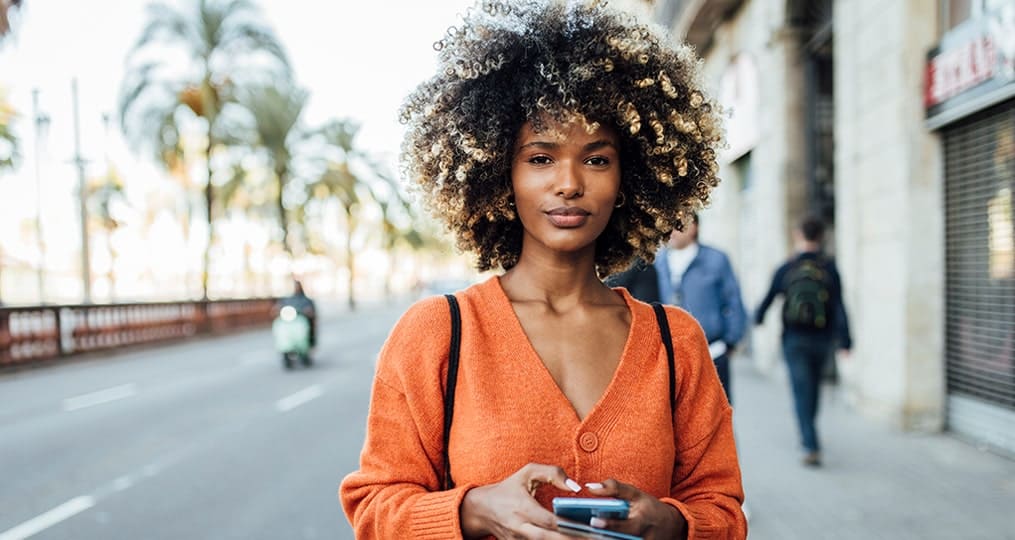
(587, 531)
(582, 509)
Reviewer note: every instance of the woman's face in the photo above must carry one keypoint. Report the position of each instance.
(565, 183)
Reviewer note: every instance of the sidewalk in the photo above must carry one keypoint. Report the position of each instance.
(875, 482)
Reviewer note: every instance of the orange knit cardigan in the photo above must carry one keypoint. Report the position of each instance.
(509, 412)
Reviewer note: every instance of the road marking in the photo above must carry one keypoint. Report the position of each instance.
(299, 398)
(122, 483)
(47, 520)
(98, 398)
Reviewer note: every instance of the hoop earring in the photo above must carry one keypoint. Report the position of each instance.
(623, 200)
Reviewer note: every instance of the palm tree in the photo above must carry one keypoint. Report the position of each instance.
(338, 182)
(353, 179)
(8, 144)
(5, 10)
(101, 194)
(8, 141)
(398, 220)
(276, 111)
(215, 38)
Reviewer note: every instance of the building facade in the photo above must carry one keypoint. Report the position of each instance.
(895, 122)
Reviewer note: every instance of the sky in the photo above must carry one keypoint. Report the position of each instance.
(357, 58)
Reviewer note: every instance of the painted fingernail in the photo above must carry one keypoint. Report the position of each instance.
(597, 522)
(594, 485)
(573, 485)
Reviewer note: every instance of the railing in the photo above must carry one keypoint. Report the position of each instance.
(31, 334)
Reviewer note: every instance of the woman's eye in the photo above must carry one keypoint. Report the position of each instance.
(539, 160)
(597, 161)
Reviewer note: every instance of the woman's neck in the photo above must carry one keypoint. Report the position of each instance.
(557, 281)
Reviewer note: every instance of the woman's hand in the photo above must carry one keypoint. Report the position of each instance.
(649, 517)
(509, 509)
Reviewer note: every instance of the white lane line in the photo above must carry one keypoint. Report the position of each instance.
(98, 398)
(122, 483)
(47, 520)
(289, 403)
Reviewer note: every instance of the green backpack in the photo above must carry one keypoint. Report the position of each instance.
(808, 296)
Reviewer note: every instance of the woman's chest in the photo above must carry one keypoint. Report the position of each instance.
(505, 417)
(581, 356)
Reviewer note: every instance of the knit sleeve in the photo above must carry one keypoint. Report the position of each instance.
(706, 485)
(396, 491)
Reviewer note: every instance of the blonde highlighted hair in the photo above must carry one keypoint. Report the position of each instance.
(512, 62)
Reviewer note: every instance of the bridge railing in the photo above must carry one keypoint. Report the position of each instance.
(32, 334)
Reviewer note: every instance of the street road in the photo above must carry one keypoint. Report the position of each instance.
(211, 439)
(208, 439)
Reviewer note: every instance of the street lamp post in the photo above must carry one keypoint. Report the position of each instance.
(86, 271)
(41, 124)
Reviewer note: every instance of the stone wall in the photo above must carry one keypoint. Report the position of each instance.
(889, 207)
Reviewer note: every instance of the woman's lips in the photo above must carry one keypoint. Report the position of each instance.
(567, 217)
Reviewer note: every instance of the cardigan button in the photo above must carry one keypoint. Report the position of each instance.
(588, 441)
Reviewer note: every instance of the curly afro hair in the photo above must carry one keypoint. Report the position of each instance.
(521, 61)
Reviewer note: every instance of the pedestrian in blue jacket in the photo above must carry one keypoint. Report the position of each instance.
(700, 279)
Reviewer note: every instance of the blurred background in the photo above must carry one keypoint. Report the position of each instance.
(290, 110)
(167, 170)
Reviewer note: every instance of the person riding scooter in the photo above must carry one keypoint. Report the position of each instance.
(295, 328)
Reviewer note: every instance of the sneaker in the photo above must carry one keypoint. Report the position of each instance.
(812, 459)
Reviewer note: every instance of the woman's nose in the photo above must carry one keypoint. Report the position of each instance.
(569, 183)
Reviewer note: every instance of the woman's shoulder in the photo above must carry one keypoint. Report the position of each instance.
(425, 315)
(421, 335)
(680, 320)
(686, 332)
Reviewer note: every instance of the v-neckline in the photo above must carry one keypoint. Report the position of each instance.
(534, 364)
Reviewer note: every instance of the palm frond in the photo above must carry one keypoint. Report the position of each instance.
(276, 111)
(167, 25)
(247, 38)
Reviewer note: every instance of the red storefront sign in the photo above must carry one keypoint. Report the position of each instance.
(973, 64)
(956, 70)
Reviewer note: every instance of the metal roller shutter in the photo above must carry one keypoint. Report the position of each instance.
(980, 274)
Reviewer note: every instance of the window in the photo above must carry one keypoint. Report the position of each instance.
(956, 12)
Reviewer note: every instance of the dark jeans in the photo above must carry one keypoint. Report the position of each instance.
(806, 357)
(722, 366)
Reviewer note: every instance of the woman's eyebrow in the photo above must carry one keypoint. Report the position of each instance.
(602, 143)
(540, 144)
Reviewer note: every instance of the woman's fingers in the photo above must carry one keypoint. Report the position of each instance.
(613, 488)
(517, 514)
(634, 524)
(531, 513)
(537, 474)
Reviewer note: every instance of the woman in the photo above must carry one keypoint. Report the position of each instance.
(557, 142)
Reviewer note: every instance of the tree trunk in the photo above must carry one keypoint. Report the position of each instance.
(387, 284)
(350, 262)
(209, 109)
(282, 221)
(112, 267)
(208, 198)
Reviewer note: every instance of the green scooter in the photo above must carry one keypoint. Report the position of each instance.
(292, 337)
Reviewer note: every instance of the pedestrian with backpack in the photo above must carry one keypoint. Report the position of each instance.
(813, 324)
(557, 142)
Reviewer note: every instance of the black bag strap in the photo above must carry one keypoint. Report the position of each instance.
(664, 330)
(449, 392)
